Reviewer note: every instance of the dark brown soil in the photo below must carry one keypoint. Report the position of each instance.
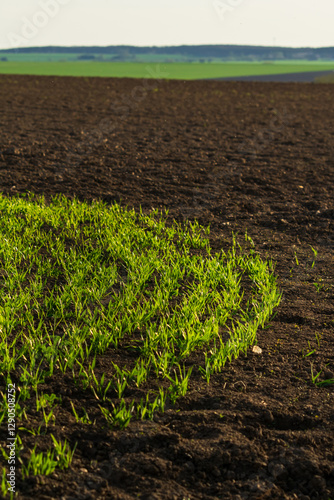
(240, 156)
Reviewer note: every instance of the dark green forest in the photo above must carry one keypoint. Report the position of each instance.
(182, 53)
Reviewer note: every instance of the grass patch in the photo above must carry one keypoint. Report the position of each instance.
(83, 281)
(183, 71)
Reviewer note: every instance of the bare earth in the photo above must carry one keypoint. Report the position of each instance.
(240, 156)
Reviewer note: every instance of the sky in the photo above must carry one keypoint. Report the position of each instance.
(287, 23)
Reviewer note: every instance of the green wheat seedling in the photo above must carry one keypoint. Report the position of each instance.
(318, 338)
(120, 415)
(319, 285)
(84, 419)
(296, 258)
(179, 383)
(147, 409)
(315, 253)
(80, 281)
(63, 453)
(6, 493)
(45, 463)
(311, 351)
(5, 485)
(321, 383)
(45, 400)
(308, 353)
(20, 411)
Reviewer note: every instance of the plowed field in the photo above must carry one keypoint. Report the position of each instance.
(238, 156)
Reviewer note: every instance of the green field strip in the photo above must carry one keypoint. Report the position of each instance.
(178, 71)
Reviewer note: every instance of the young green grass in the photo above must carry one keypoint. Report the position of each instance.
(78, 281)
(178, 70)
(45, 463)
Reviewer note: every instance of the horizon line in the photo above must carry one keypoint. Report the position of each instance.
(276, 47)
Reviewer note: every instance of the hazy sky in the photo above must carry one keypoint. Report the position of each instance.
(293, 23)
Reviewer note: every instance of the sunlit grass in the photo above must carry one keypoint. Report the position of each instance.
(79, 281)
(183, 71)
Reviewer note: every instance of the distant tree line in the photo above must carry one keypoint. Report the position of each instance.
(203, 52)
